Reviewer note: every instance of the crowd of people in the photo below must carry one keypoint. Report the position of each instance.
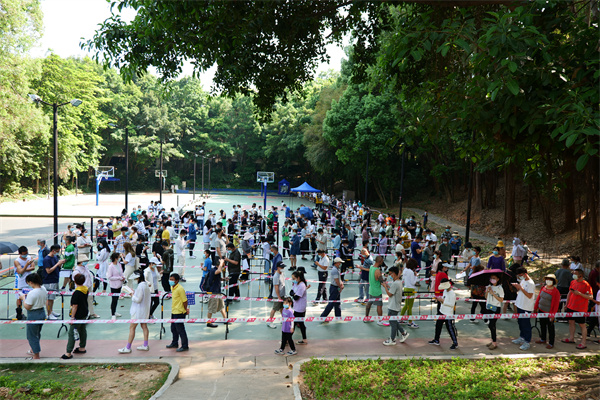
(137, 254)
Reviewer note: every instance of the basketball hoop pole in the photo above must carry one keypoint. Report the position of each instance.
(265, 204)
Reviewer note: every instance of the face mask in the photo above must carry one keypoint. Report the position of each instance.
(286, 306)
(171, 283)
(23, 257)
(493, 281)
(575, 276)
(520, 278)
(435, 256)
(447, 230)
(495, 252)
(549, 283)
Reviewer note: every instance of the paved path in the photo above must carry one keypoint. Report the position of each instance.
(248, 369)
(461, 229)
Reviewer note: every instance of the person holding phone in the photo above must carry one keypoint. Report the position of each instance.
(525, 303)
(580, 293)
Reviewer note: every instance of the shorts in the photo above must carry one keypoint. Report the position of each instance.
(277, 305)
(207, 246)
(65, 273)
(51, 287)
(578, 320)
(376, 300)
(215, 305)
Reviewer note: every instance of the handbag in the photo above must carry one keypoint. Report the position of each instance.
(491, 307)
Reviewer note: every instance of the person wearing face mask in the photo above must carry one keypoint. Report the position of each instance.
(518, 251)
(179, 310)
(548, 301)
(525, 303)
(447, 303)
(580, 293)
(298, 293)
(493, 305)
(447, 234)
(24, 266)
(233, 258)
(445, 250)
(152, 276)
(102, 259)
(287, 329)
(496, 261)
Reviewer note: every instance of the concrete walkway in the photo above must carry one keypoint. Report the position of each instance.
(461, 229)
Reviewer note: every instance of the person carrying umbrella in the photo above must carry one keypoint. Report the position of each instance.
(493, 305)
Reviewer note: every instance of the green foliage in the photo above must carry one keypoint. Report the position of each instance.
(424, 379)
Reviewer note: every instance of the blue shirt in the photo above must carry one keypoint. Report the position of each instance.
(50, 262)
(274, 262)
(288, 214)
(215, 286)
(413, 251)
(192, 232)
(207, 265)
(43, 252)
(337, 241)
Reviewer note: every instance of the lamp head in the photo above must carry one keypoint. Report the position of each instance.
(35, 98)
(112, 125)
(76, 102)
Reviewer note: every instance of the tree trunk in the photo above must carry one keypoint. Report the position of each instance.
(569, 196)
(478, 191)
(529, 202)
(380, 193)
(509, 200)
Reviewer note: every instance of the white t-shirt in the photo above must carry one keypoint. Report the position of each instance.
(37, 298)
(279, 280)
(266, 249)
(21, 277)
(180, 246)
(447, 307)
(498, 291)
(409, 278)
(522, 301)
(324, 262)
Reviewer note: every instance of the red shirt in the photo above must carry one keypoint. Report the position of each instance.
(578, 303)
(438, 279)
(555, 299)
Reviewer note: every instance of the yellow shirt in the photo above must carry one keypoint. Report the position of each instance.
(166, 235)
(178, 299)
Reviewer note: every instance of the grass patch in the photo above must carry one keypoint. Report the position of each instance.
(501, 378)
(77, 382)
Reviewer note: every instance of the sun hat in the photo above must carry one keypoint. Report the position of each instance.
(500, 243)
(155, 260)
(551, 276)
(248, 236)
(445, 284)
(337, 260)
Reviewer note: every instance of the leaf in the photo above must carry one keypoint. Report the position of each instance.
(581, 162)
(570, 140)
(445, 50)
(416, 54)
(512, 66)
(513, 87)
(464, 45)
(495, 93)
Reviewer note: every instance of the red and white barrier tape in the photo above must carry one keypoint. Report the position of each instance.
(313, 319)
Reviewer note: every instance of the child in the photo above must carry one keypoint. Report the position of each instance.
(206, 267)
(448, 301)
(394, 306)
(287, 328)
(266, 251)
(79, 311)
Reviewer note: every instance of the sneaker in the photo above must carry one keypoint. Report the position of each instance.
(474, 321)
(55, 314)
(93, 316)
(380, 323)
(404, 337)
(52, 316)
(193, 257)
(182, 349)
(118, 315)
(143, 348)
(493, 347)
(279, 351)
(291, 353)
(272, 325)
(525, 346)
(413, 325)
(326, 322)
(113, 318)
(183, 280)
(454, 346)
(403, 322)
(124, 350)
(301, 342)
(314, 303)
(211, 325)
(519, 341)
(205, 299)
(434, 342)
(389, 342)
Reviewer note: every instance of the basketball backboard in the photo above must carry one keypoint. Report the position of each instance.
(157, 173)
(261, 175)
(105, 171)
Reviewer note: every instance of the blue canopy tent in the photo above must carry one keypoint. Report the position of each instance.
(305, 188)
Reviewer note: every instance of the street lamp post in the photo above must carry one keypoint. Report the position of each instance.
(195, 157)
(160, 173)
(75, 103)
(203, 175)
(126, 159)
(401, 186)
(367, 178)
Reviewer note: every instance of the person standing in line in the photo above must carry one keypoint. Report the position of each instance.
(375, 295)
(152, 277)
(580, 293)
(79, 311)
(394, 291)
(300, 297)
(276, 259)
(180, 244)
(548, 301)
(335, 289)
(81, 269)
(115, 280)
(192, 237)
(140, 309)
(50, 278)
(279, 288)
(24, 265)
(103, 259)
(233, 259)
(493, 305)
(129, 260)
(496, 261)
(525, 303)
(287, 329)
(448, 301)
(69, 264)
(409, 280)
(167, 265)
(564, 277)
(363, 285)
(322, 273)
(213, 285)
(34, 303)
(179, 310)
